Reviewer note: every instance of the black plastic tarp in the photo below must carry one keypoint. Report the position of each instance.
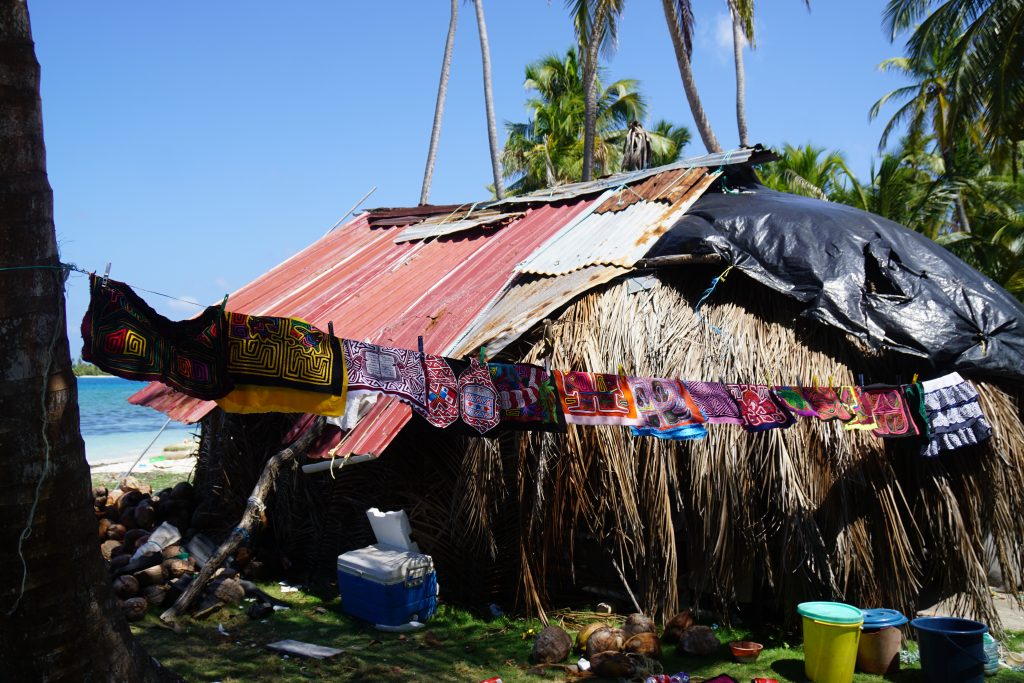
(863, 274)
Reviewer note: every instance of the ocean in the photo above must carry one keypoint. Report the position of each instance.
(114, 429)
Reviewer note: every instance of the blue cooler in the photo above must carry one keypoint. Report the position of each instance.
(389, 583)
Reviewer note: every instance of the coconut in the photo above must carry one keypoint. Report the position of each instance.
(637, 623)
(104, 525)
(183, 490)
(155, 595)
(612, 664)
(583, 636)
(145, 514)
(699, 640)
(107, 549)
(676, 626)
(646, 644)
(100, 492)
(151, 576)
(114, 496)
(135, 608)
(116, 532)
(126, 586)
(229, 591)
(551, 646)
(129, 500)
(171, 551)
(131, 536)
(121, 549)
(141, 541)
(176, 567)
(127, 518)
(130, 483)
(119, 561)
(604, 640)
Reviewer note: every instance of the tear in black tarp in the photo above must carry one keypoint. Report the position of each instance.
(863, 274)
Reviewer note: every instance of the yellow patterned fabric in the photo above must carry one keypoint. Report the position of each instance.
(253, 399)
(283, 365)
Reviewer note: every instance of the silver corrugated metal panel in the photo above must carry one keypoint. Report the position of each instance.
(618, 238)
(525, 304)
(571, 190)
(446, 226)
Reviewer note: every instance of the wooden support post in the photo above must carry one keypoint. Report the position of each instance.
(250, 519)
(679, 260)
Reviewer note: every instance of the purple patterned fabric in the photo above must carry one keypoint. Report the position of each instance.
(715, 402)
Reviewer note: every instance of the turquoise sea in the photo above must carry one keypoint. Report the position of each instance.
(114, 429)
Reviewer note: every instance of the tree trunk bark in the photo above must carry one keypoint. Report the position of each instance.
(588, 53)
(492, 131)
(250, 519)
(442, 91)
(700, 119)
(741, 76)
(58, 617)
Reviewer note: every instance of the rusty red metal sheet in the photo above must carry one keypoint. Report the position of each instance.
(374, 289)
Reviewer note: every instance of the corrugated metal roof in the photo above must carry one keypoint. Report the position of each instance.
(374, 289)
(751, 155)
(526, 303)
(445, 225)
(618, 238)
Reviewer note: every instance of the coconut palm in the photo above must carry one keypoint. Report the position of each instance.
(679, 18)
(58, 617)
(810, 171)
(547, 150)
(985, 41)
(492, 129)
(442, 91)
(596, 26)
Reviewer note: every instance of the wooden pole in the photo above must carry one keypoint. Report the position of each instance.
(679, 260)
(250, 519)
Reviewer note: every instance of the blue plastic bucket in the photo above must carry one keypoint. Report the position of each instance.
(952, 650)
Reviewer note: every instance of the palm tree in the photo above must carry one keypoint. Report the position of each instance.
(58, 618)
(741, 12)
(928, 109)
(548, 149)
(442, 91)
(596, 25)
(492, 130)
(679, 18)
(985, 41)
(804, 171)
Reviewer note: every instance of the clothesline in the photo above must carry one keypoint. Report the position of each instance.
(254, 364)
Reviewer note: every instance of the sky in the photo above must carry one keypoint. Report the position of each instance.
(194, 145)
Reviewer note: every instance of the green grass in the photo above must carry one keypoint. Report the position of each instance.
(455, 646)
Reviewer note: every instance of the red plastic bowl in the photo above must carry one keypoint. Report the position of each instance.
(745, 651)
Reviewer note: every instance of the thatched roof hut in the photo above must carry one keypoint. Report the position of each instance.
(594, 276)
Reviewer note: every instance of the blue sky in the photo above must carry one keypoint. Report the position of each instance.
(196, 144)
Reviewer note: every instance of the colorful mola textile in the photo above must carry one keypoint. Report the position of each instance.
(954, 414)
(853, 398)
(715, 402)
(666, 409)
(478, 399)
(592, 398)
(386, 370)
(759, 408)
(283, 365)
(892, 414)
(124, 336)
(794, 400)
(442, 401)
(825, 402)
(526, 396)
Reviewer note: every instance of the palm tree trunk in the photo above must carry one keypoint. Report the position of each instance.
(741, 76)
(442, 91)
(589, 52)
(492, 131)
(700, 119)
(58, 618)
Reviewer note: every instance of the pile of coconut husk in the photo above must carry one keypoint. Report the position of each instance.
(628, 649)
(153, 551)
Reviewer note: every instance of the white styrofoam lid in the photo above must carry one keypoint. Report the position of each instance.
(385, 565)
(392, 529)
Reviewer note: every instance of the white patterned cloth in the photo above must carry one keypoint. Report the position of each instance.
(954, 415)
